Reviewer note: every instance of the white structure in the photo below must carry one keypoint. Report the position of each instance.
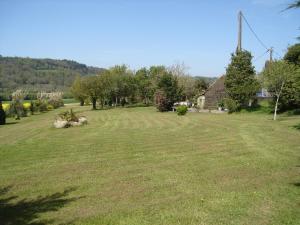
(201, 102)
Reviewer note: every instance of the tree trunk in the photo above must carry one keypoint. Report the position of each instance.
(81, 102)
(94, 103)
(277, 99)
(276, 106)
(250, 103)
(116, 101)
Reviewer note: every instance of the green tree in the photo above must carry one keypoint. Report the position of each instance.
(78, 90)
(200, 86)
(144, 85)
(105, 87)
(276, 76)
(167, 93)
(293, 54)
(240, 82)
(92, 89)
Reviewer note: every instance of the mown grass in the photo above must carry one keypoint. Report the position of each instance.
(138, 166)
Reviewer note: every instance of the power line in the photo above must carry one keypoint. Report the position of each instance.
(257, 58)
(277, 54)
(259, 40)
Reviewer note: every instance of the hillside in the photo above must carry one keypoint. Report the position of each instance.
(40, 74)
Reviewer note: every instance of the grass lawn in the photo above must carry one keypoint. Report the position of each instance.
(136, 166)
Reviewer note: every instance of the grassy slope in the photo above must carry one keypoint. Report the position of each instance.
(137, 166)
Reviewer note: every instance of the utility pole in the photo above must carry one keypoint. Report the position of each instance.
(239, 47)
(271, 54)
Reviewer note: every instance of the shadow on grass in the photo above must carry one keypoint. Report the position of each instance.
(294, 112)
(258, 109)
(297, 184)
(27, 211)
(10, 123)
(297, 126)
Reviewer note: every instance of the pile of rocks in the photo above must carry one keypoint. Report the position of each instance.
(60, 123)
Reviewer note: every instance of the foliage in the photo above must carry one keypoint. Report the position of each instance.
(191, 87)
(92, 89)
(68, 116)
(181, 110)
(282, 80)
(2, 115)
(168, 92)
(293, 54)
(47, 101)
(232, 105)
(221, 103)
(144, 85)
(78, 90)
(32, 107)
(240, 82)
(41, 105)
(50, 107)
(16, 107)
(161, 101)
(26, 105)
(40, 74)
(5, 106)
(119, 85)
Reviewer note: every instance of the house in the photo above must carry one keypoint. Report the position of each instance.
(213, 95)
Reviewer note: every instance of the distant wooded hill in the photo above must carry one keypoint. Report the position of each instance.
(40, 74)
(47, 75)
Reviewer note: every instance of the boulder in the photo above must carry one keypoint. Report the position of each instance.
(82, 120)
(60, 123)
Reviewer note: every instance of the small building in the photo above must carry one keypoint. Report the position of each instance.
(213, 95)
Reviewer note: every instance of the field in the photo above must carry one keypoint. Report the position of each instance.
(136, 166)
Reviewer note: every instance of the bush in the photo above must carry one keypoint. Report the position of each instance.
(5, 107)
(32, 108)
(50, 107)
(16, 109)
(41, 105)
(181, 110)
(161, 101)
(56, 103)
(231, 105)
(2, 115)
(221, 103)
(26, 105)
(69, 116)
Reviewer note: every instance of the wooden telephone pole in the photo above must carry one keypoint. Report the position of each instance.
(239, 47)
(271, 54)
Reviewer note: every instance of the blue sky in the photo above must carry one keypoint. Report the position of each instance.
(202, 34)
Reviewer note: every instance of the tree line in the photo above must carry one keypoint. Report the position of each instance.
(119, 85)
